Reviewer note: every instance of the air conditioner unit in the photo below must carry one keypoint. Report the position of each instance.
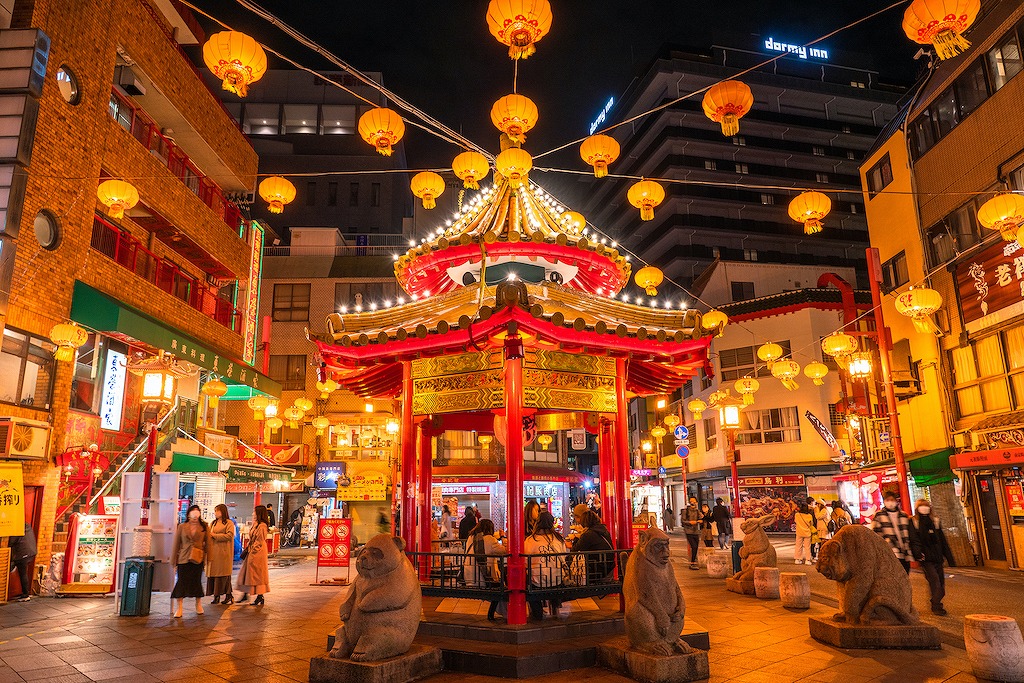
(129, 82)
(22, 439)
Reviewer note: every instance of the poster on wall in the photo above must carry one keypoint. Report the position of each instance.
(94, 549)
(873, 485)
(365, 481)
(778, 495)
(334, 542)
(12, 500)
(1015, 499)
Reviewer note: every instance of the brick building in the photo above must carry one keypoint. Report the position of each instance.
(116, 98)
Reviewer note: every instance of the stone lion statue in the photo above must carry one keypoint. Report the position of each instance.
(654, 604)
(757, 550)
(872, 585)
(382, 611)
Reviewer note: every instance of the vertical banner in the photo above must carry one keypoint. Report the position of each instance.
(334, 539)
(12, 500)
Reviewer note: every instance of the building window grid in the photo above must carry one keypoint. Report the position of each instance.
(988, 374)
(710, 434)
(26, 370)
(742, 362)
(289, 371)
(771, 425)
(895, 272)
(879, 175)
(291, 303)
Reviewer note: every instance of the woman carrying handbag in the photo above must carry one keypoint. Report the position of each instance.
(191, 544)
(254, 575)
(219, 560)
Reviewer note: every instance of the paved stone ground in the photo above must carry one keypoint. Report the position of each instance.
(80, 639)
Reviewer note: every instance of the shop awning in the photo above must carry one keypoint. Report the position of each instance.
(190, 462)
(248, 473)
(95, 310)
(991, 459)
(930, 467)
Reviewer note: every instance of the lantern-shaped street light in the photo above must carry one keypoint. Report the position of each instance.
(860, 365)
(729, 408)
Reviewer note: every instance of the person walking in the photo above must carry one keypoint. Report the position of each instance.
(254, 575)
(805, 528)
(191, 545)
(706, 531)
(23, 558)
(894, 526)
(723, 520)
(445, 532)
(690, 519)
(670, 519)
(930, 549)
(221, 556)
(544, 572)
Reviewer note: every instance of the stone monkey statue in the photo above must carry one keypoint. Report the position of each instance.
(655, 608)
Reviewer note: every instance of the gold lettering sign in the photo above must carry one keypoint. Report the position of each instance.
(568, 391)
(458, 383)
(570, 362)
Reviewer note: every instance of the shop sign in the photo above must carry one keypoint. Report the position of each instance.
(990, 282)
(334, 542)
(465, 490)
(578, 439)
(112, 399)
(541, 490)
(221, 444)
(825, 433)
(110, 505)
(997, 457)
(12, 500)
(640, 473)
(241, 487)
(774, 480)
(287, 455)
(635, 533)
(456, 479)
(365, 481)
(242, 474)
(326, 475)
(252, 293)
(94, 550)
(1015, 499)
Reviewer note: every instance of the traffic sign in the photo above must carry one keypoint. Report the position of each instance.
(681, 432)
(683, 451)
(662, 471)
(883, 437)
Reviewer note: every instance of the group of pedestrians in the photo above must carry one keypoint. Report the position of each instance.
(816, 522)
(198, 546)
(704, 523)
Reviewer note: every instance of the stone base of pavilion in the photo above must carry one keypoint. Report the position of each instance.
(569, 640)
(880, 637)
(616, 654)
(419, 662)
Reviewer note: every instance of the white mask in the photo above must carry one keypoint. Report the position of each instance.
(890, 505)
(924, 510)
(193, 516)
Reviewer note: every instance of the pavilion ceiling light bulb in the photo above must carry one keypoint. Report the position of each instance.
(726, 103)
(236, 59)
(382, 128)
(520, 24)
(276, 192)
(428, 186)
(940, 23)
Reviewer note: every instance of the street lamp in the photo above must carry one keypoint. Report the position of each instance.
(860, 365)
(729, 420)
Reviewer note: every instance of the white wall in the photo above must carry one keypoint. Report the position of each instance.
(768, 278)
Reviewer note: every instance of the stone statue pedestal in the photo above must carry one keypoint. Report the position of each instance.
(719, 564)
(703, 553)
(741, 587)
(795, 590)
(876, 636)
(994, 647)
(615, 654)
(419, 662)
(766, 583)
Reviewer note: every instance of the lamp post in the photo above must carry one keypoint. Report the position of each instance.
(729, 421)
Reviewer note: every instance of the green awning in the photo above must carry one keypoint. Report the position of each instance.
(190, 462)
(95, 310)
(930, 467)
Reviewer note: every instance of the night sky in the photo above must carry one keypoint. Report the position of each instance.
(440, 56)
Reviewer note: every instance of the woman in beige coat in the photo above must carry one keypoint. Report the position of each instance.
(221, 556)
(191, 547)
(254, 576)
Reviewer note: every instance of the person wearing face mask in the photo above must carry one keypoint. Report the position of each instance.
(191, 545)
(930, 549)
(894, 526)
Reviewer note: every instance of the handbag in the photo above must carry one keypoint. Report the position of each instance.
(244, 554)
(574, 571)
(195, 556)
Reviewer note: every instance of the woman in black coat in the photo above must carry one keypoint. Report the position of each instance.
(930, 548)
(596, 537)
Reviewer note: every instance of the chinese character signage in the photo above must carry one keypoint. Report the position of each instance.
(12, 500)
(990, 282)
(252, 293)
(334, 542)
(327, 475)
(112, 401)
(1015, 499)
(365, 481)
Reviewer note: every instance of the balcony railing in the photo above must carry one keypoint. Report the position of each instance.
(145, 130)
(129, 253)
(355, 245)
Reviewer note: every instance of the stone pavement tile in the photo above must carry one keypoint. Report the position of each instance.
(70, 678)
(229, 669)
(181, 674)
(150, 657)
(129, 673)
(832, 675)
(792, 667)
(53, 672)
(962, 677)
(85, 655)
(763, 677)
(269, 658)
(863, 666)
(20, 646)
(34, 660)
(289, 668)
(7, 675)
(208, 658)
(66, 640)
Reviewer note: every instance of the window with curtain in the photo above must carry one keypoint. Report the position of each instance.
(1004, 61)
(773, 425)
(710, 434)
(980, 380)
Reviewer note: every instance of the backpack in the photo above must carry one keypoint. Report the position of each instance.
(835, 525)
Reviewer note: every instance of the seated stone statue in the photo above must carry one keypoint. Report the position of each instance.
(382, 611)
(872, 585)
(757, 550)
(654, 604)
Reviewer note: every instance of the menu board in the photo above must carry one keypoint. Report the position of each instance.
(777, 495)
(95, 550)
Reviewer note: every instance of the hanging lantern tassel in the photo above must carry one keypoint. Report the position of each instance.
(949, 44)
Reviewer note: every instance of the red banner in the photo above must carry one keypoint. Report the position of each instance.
(1015, 499)
(334, 541)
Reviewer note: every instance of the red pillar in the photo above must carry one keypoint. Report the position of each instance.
(622, 466)
(735, 476)
(423, 499)
(147, 481)
(514, 475)
(407, 489)
(606, 470)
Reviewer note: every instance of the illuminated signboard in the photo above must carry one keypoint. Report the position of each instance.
(252, 296)
(801, 51)
(603, 115)
(112, 401)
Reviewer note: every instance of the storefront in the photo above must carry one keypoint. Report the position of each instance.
(200, 481)
(991, 486)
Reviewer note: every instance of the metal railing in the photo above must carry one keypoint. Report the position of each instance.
(355, 245)
(132, 457)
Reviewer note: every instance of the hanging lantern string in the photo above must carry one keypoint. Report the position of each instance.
(765, 63)
(442, 131)
(515, 76)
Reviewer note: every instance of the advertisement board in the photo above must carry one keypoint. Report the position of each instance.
(334, 542)
(779, 495)
(12, 500)
(94, 550)
(363, 481)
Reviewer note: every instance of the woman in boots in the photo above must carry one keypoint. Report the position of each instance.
(222, 548)
(191, 544)
(254, 576)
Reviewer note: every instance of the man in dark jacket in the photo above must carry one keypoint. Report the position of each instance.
(467, 523)
(23, 557)
(930, 549)
(722, 518)
(690, 519)
(595, 537)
